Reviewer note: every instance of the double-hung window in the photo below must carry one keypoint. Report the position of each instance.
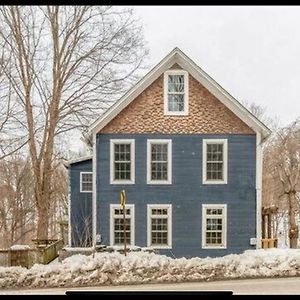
(120, 230)
(122, 168)
(176, 92)
(159, 161)
(214, 225)
(86, 182)
(214, 161)
(159, 225)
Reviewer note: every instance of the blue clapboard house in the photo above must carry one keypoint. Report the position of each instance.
(188, 156)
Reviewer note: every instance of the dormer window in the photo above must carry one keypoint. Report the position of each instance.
(176, 92)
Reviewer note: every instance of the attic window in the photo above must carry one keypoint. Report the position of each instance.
(176, 92)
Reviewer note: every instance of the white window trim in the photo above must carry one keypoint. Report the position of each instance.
(81, 190)
(169, 209)
(132, 160)
(159, 141)
(224, 225)
(186, 93)
(225, 160)
(132, 224)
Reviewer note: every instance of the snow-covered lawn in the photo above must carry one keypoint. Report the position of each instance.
(143, 267)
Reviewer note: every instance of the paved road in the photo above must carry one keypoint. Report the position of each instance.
(287, 286)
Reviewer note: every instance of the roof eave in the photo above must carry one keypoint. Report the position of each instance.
(77, 160)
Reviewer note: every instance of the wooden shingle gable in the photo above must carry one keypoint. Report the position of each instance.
(176, 59)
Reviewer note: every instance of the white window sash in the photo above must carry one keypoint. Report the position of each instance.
(149, 223)
(81, 183)
(112, 161)
(149, 161)
(186, 93)
(223, 245)
(112, 223)
(205, 142)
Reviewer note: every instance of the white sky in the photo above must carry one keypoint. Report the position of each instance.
(251, 51)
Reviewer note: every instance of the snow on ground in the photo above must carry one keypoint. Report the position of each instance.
(20, 247)
(142, 267)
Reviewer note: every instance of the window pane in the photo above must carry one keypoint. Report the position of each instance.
(214, 152)
(176, 102)
(159, 171)
(159, 211)
(119, 231)
(122, 162)
(159, 152)
(87, 186)
(214, 171)
(214, 226)
(159, 230)
(119, 211)
(87, 182)
(176, 83)
(159, 161)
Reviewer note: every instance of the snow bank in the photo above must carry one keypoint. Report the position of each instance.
(142, 267)
(19, 247)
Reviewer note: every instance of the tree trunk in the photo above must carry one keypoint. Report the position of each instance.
(293, 227)
(43, 205)
(42, 222)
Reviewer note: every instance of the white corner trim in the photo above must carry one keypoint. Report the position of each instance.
(224, 225)
(185, 112)
(225, 160)
(159, 141)
(258, 190)
(94, 195)
(132, 223)
(132, 161)
(81, 190)
(169, 217)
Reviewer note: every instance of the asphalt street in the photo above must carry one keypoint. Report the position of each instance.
(270, 286)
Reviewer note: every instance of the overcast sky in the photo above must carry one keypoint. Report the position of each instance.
(251, 51)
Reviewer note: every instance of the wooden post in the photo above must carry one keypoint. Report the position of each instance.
(124, 224)
(123, 203)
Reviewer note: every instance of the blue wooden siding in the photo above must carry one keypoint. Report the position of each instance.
(186, 193)
(81, 207)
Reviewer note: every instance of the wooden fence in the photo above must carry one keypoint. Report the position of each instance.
(28, 257)
(268, 243)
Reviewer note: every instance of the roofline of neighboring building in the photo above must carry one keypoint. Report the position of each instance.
(77, 160)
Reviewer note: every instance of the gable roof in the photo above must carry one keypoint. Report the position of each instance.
(177, 56)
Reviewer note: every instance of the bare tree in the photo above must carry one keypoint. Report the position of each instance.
(68, 64)
(17, 209)
(59, 203)
(82, 227)
(282, 174)
(9, 143)
(261, 114)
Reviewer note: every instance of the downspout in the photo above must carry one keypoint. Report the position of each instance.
(258, 189)
(94, 202)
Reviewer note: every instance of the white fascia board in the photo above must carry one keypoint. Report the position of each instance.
(177, 56)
